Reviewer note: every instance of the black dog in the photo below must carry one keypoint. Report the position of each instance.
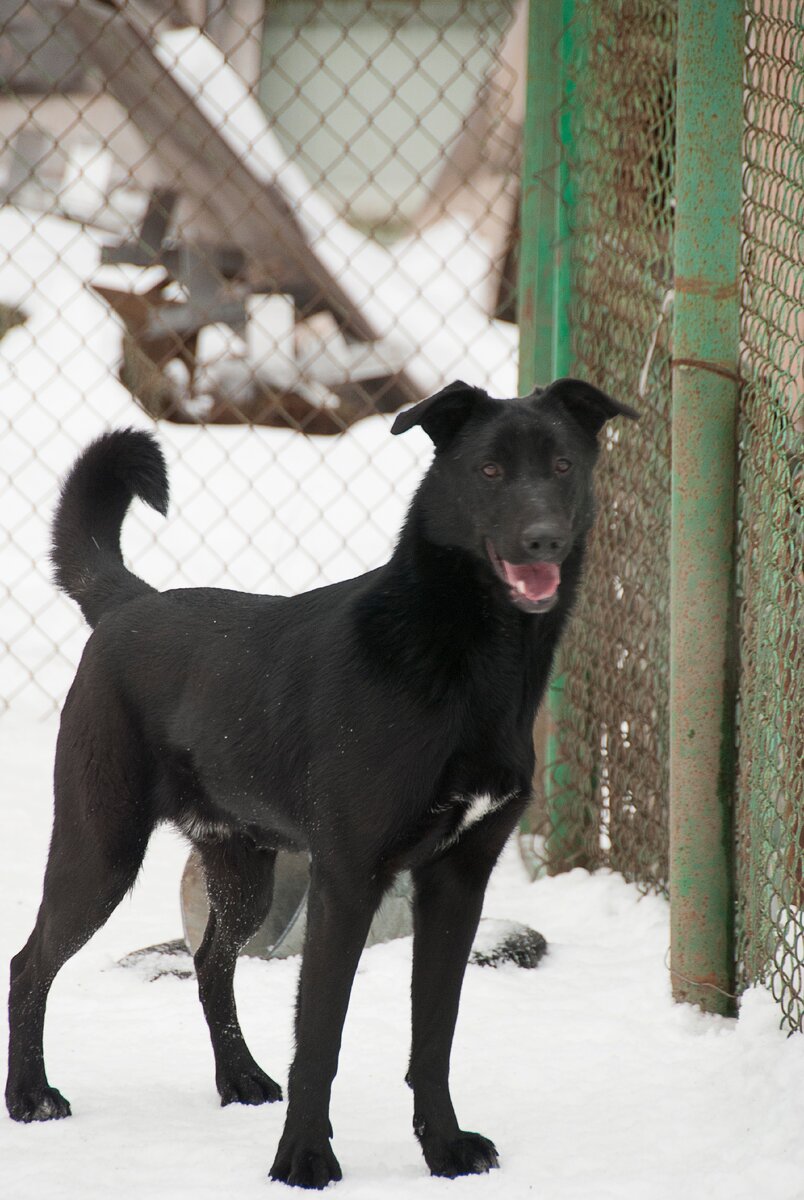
(382, 723)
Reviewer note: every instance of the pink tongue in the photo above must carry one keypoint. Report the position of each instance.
(534, 581)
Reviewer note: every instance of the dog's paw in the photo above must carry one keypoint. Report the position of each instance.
(304, 1166)
(40, 1104)
(249, 1086)
(466, 1154)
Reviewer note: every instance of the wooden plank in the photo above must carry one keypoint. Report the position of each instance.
(201, 163)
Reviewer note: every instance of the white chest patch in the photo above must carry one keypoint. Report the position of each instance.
(480, 807)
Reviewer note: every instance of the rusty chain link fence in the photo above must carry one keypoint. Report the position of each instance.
(609, 760)
(622, 107)
(607, 742)
(770, 817)
(263, 228)
(257, 227)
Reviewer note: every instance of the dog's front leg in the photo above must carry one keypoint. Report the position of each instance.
(448, 901)
(339, 914)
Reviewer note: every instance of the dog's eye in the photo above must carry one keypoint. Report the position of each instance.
(562, 465)
(491, 470)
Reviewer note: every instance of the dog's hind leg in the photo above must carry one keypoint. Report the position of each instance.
(239, 881)
(100, 831)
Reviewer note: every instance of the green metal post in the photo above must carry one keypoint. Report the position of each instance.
(544, 276)
(565, 54)
(705, 396)
(541, 198)
(565, 843)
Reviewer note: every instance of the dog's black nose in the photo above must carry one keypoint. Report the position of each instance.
(547, 539)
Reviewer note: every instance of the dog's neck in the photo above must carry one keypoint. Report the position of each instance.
(448, 598)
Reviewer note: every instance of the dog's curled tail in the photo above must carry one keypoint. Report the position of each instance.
(95, 496)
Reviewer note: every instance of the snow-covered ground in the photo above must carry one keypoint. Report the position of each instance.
(591, 1081)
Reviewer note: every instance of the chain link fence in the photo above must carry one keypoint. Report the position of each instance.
(770, 817)
(607, 788)
(610, 760)
(262, 228)
(259, 227)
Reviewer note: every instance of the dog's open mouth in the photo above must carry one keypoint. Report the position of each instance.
(533, 587)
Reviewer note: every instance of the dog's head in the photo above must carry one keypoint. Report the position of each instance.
(511, 481)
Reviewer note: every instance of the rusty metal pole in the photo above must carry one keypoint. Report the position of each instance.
(705, 398)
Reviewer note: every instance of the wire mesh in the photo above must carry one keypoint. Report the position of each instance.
(611, 754)
(610, 766)
(770, 817)
(259, 228)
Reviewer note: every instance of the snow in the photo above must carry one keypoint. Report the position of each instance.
(588, 1077)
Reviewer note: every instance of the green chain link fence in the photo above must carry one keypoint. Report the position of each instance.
(608, 170)
(607, 784)
(621, 118)
(770, 815)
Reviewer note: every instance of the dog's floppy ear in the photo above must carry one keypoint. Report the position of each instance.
(586, 404)
(441, 415)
